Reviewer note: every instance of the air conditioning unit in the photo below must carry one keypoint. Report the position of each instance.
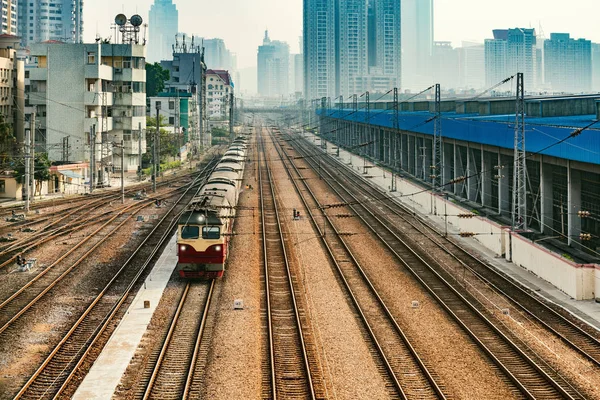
(118, 70)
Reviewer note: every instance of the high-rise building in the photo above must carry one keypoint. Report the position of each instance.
(163, 26)
(417, 43)
(298, 73)
(273, 72)
(9, 17)
(388, 39)
(352, 46)
(43, 20)
(319, 48)
(596, 67)
(568, 63)
(511, 51)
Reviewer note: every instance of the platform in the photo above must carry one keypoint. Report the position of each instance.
(104, 376)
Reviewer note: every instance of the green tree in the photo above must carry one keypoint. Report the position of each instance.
(219, 132)
(41, 171)
(168, 144)
(156, 76)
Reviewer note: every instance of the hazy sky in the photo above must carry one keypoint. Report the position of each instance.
(241, 23)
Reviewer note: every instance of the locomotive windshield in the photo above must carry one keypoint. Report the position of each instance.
(211, 232)
(190, 232)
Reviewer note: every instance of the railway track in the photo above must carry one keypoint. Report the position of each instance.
(407, 375)
(69, 221)
(291, 369)
(173, 365)
(528, 372)
(582, 339)
(33, 291)
(63, 363)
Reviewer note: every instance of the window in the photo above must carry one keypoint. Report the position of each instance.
(91, 58)
(2, 186)
(171, 105)
(211, 232)
(171, 121)
(190, 232)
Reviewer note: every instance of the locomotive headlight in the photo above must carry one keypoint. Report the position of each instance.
(182, 247)
(218, 248)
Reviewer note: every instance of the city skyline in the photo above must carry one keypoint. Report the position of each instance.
(455, 21)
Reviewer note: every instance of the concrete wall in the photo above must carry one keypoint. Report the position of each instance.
(576, 280)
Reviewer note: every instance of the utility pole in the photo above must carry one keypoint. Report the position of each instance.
(27, 168)
(156, 148)
(436, 167)
(122, 171)
(519, 207)
(140, 151)
(92, 156)
(32, 152)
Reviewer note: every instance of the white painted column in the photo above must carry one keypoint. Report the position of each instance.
(573, 203)
(546, 200)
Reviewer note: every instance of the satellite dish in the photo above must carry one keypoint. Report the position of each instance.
(121, 19)
(136, 20)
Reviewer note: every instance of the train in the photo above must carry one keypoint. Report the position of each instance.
(205, 227)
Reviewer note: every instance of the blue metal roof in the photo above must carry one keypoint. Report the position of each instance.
(497, 130)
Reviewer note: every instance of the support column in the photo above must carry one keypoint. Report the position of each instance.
(459, 187)
(471, 180)
(487, 173)
(547, 201)
(447, 166)
(503, 188)
(411, 157)
(574, 204)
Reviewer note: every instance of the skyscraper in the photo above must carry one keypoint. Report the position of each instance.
(39, 21)
(319, 47)
(163, 25)
(352, 46)
(417, 43)
(388, 39)
(568, 63)
(511, 51)
(273, 68)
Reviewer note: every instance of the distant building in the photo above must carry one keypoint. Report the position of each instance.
(471, 66)
(216, 54)
(77, 88)
(417, 43)
(163, 27)
(445, 65)
(511, 51)
(40, 21)
(219, 87)
(298, 75)
(568, 63)
(273, 68)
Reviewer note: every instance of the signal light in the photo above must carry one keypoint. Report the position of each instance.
(583, 214)
(585, 236)
(466, 215)
(467, 234)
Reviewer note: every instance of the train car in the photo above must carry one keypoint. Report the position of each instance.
(204, 229)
